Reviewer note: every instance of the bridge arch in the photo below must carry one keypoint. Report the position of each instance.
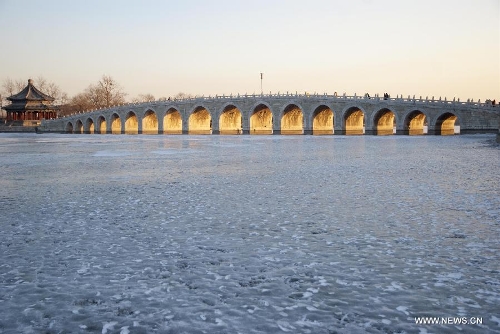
(261, 119)
(78, 126)
(322, 120)
(200, 121)
(445, 124)
(69, 127)
(101, 125)
(384, 122)
(172, 121)
(353, 118)
(149, 122)
(89, 126)
(292, 120)
(131, 123)
(414, 122)
(116, 124)
(230, 120)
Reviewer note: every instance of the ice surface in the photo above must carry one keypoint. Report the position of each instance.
(248, 234)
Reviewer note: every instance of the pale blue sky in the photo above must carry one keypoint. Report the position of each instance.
(416, 47)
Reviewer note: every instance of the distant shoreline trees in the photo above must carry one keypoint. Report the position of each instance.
(143, 98)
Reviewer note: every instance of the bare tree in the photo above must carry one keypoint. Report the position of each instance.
(51, 89)
(11, 87)
(109, 92)
(104, 94)
(79, 103)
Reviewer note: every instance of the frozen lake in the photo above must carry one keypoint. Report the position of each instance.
(248, 234)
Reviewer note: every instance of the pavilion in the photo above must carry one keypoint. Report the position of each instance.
(30, 106)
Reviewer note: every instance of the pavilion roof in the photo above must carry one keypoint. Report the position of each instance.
(30, 107)
(30, 93)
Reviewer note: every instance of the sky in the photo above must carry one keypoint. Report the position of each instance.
(445, 48)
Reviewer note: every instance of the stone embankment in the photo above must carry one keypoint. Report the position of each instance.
(13, 129)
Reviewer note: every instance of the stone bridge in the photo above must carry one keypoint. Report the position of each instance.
(286, 114)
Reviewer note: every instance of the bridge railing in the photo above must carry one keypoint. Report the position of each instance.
(365, 98)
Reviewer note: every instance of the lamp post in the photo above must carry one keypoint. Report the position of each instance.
(261, 77)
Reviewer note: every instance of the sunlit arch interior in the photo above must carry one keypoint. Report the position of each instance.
(131, 124)
(200, 121)
(384, 122)
(150, 123)
(90, 126)
(446, 123)
(101, 121)
(230, 121)
(116, 124)
(354, 121)
(323, 121)
(415, 122)
(79, 127)
(69, 128)
(292, 121)
(261, 120)
(172, 122)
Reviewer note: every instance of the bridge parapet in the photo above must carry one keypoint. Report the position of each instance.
(399, 99)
